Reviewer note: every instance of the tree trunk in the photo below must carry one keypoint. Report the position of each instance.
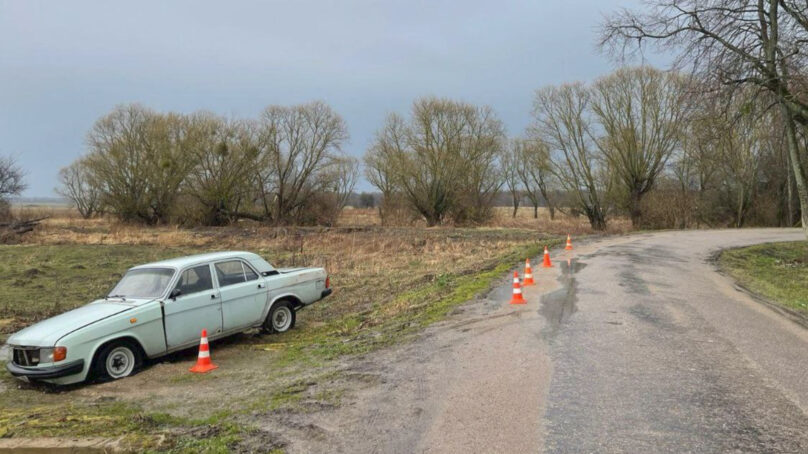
(515, 205)
(596, 219)
(790, 194)
(552, 210)
(796, 165)
(740, 212)
(535, 210)
(634, 208)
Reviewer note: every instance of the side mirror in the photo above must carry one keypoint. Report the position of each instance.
(175, 293)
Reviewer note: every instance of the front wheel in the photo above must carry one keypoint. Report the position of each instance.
(116, 360)
(281, 318)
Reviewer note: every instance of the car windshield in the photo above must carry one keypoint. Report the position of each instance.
(143, 283)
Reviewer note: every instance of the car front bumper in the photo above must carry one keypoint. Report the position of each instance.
(44, 373)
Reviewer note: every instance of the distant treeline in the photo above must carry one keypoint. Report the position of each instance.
(639, 142)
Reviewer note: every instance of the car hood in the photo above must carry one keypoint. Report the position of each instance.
(47, 332)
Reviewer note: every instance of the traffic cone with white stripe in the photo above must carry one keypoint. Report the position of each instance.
(547, 263)
(203, 362)
(528, 274)
(517, 291)
(569, 243)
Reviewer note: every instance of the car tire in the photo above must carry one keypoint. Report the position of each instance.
(116, 360)
(281, 318)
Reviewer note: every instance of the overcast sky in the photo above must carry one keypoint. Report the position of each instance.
(64, 64)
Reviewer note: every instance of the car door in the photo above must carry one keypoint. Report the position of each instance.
(197, 307)
(243, 292)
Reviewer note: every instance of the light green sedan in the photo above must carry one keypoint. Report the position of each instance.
(162, 307)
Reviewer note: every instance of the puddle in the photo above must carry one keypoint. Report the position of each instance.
(558, 306)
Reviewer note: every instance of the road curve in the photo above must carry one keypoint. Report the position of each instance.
(628, 344)
(663, 354)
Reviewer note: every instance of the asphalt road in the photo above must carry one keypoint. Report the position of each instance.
(633, 344)
(663, 354)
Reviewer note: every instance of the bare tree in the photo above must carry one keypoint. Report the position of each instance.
(736, 43)
(696, 167)
(11, 184)
(77, 185)
(340, 176)
(443, 160)
(224, 152)
(139, 159)
(297, 145)
(562, 120)
(510, 166)
(382, 161)
(535, 173)
(641, 112)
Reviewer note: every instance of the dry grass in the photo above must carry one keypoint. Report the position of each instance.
(367, 264)
(561, 225)
(388, 283)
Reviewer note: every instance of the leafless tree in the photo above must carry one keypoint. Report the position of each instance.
(737, 43)
(562, 120)
(341, 175)
(443, 161)
(11, 184)
(695, 167)
(297, 145)
(510, 165)
(739, 141)
(77, 185)
(641, 112)
(139, 160)
(535, 173)
(225, 154)
(382, 161)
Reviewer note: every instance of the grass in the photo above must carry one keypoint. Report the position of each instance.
(40, 281)
(389, 284)
(776, 271)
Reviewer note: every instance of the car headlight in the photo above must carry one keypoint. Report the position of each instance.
(52, 354)
(10, 355)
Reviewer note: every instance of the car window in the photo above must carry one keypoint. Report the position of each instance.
(249, 273)
(143, 283)
(230, 273)
(194, 280)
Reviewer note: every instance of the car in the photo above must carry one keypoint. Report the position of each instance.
(162, 307)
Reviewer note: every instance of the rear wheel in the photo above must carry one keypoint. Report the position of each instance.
(117, 359)
(281, 318)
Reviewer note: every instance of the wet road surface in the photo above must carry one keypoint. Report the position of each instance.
(629, 344)
(664, 355)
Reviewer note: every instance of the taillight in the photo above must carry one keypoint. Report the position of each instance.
(59, 353)
(328, 282)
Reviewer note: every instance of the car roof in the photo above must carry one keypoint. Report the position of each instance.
(182, 262)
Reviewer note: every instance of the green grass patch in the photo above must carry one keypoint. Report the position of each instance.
(38, 282)
(776, 271)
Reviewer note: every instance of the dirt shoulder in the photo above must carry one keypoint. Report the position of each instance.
(476, 382)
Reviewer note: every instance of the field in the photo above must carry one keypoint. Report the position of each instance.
(777, 271)
(389, 283)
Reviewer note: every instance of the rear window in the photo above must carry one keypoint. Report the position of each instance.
(230, 273)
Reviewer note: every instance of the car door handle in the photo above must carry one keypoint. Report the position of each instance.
(261, 285)
(213, 297)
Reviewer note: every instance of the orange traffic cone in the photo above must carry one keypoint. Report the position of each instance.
(547, 263)
(569, 243)
(517, 291)
(203, 363)
(528, 274)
